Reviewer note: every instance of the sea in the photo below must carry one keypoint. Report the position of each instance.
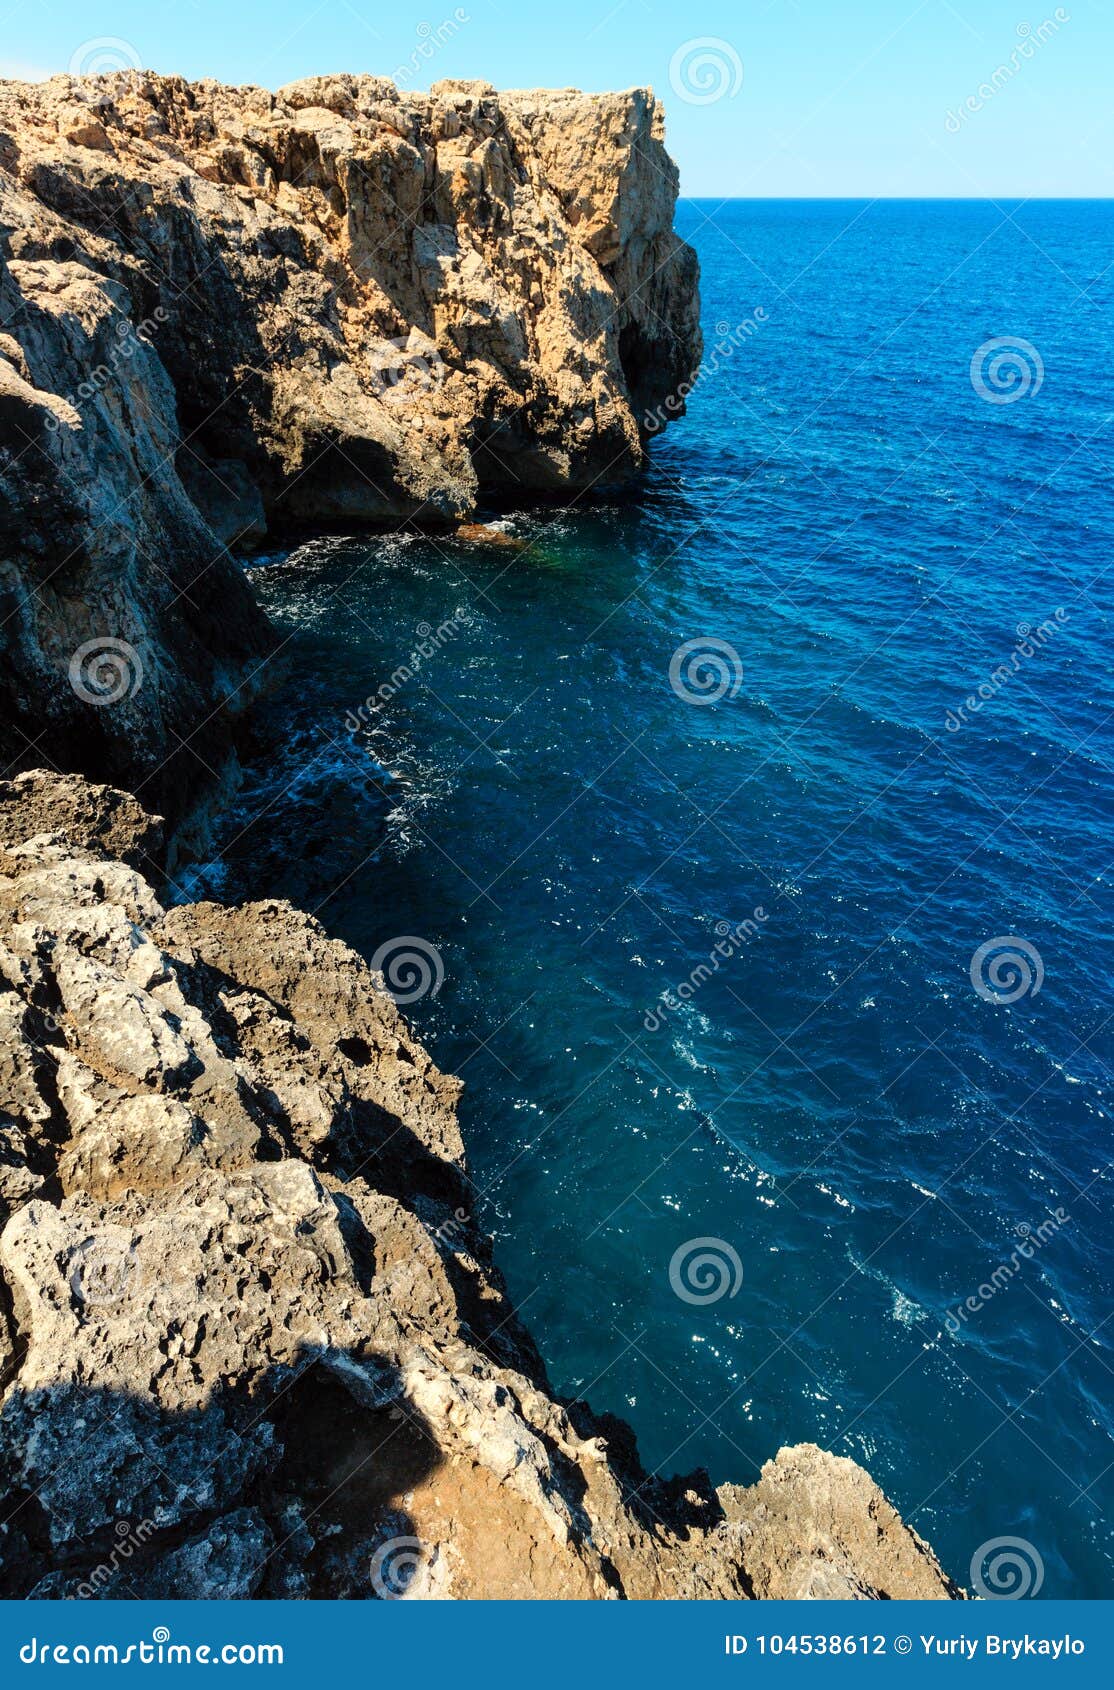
(743, 840)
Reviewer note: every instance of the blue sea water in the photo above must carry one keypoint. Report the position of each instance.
(862, 522)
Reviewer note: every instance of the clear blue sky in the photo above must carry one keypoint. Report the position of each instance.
(827, 97)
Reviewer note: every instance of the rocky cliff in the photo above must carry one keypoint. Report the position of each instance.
(253, 1342)
(223, 309)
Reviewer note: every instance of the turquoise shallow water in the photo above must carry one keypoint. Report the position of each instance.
(867, 1133)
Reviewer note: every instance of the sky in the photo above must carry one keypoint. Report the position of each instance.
(769, 98)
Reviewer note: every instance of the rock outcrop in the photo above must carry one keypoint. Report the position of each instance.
(253, 1342)
(223, 309)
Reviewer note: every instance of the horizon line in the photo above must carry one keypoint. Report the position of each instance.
(938, 199)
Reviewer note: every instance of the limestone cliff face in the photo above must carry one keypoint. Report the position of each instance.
(223, 309)
(251, 1338)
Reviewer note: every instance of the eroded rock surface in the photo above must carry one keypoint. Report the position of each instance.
(223, 308)
(253, 1342)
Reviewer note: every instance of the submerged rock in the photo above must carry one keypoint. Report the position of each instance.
(486, 534)
(255, 1344)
